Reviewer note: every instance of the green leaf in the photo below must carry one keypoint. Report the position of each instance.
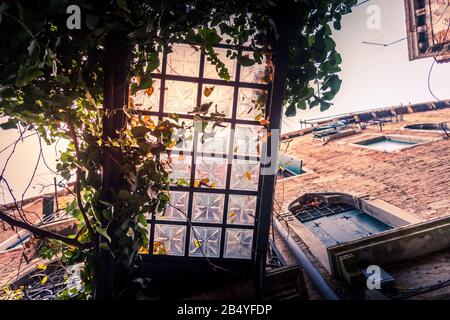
(245, 61)
(103, 232)
(142, 220)
(140, 131)
(10, 124)
(291, 111)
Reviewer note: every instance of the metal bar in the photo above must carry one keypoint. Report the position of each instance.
(274, 112)
(314, 274)
(202, 81)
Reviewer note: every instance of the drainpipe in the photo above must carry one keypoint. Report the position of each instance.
(314, 274)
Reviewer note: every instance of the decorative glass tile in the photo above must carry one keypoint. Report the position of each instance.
(180, 97)
(169, 240)
(208, 207)
(241, 210)
(238, 243)
(212, 140)
(183, 137)
(147, 99)
(210, 71)
(248, 140)
(184, 60)
(251, 104)
(178, 207)
(221, 98)
(179, 169)
(255, 73)
(210, 171)
(205, 241)
(245, 175)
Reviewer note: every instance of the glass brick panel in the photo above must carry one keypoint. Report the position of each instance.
(179, 169)
(238, 243)
(169, 240)
(248, 140)
(212, 171)
(147, 99)
(178, 208)
(255, 73)
(180, 97)
(221, 98)
(251, 104)
(241, 210)
(184, 60)
(210, 70)
(213, 140)
(245, 175)
(208, 207)
(205, 241)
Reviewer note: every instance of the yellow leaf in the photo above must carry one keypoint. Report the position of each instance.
(149, 122)
(235, 149)
(144, 250)
(213, 185)
(196, 183)
(159, 248)
(208, 90)
(172, 144)
(232, 214)
(149, 91)
(197, 243)
(42, 266)
(259, 117)
(247, 175)
(44, 280)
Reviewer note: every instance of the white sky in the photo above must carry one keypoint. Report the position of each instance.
(372, 77)
(375, 76)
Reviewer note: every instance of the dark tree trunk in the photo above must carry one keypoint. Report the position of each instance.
(109, 277)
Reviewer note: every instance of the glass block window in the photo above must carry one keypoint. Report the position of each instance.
(178, 167)
(148, 99)
(230, 64)
(208, 207)
(241, 210)
(221, 98)
(175, 210)
(214, 162)
(184, 60)
(210, 172)
(250, 102)
(169, 240)
(205, 241)
(248, 140)
(255, 73)
(245, 175)
(238, 243)
(180, 96)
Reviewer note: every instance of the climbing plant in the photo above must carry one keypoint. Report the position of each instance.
(53, 79)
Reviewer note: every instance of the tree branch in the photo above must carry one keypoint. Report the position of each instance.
(74, 138)
(40, 232)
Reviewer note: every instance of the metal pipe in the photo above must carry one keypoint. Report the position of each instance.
(314, 274)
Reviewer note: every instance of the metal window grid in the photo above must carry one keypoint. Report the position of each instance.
(307, 213)
(200, 81)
